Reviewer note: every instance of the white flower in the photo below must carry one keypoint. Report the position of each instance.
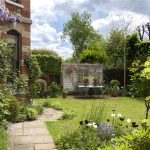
(89, 124)
(113, 115)
(119, 115)
(135, 131)
(128, 120)
(95, 126)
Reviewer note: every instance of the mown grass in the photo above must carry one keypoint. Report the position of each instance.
(132, 108)
(3, 140)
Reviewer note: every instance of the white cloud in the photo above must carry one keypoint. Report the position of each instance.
(48, 17)
(119, 19)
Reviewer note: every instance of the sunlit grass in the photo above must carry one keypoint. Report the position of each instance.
(3, 140)
(132, 108)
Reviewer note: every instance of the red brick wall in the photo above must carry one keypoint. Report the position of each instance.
(25, 40)
(24, 11)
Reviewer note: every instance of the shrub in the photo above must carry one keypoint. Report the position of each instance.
(106, 90)
(14, 109)
(114, 87)
(22, 117)
(4, 107)
(80, 138)
(21, 83)
(139, 83)
(31, 114)
(56, 106)
(136, 140)
(47, 103)
(54, 90)
(39, 108)
(6, 56)
(43, 87)
(114, 83)
(34, 74)
(49, 62)
(67, 114)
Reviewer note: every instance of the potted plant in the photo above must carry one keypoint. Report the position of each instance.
(65, 93)
(85, 81)
(95, 81)
(114, 87)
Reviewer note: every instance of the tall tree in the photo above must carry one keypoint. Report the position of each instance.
(148, 29)
(141, 31)
(132, 53)
(79, 31)
(116, 43)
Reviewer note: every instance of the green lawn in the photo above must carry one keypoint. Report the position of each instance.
(132, 108)
(3, 140)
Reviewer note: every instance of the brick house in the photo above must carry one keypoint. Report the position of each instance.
(18, 33)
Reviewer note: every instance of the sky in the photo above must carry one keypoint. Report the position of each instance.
(49, 17)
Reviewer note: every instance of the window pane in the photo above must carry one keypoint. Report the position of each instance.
(17, 1)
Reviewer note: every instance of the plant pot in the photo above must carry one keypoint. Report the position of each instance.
(115, 94)
(65, 94)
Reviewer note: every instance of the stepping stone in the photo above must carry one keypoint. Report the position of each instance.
(33, 135)
(35, 131)
(34, 124)
(16, 132)
(44, 146)
(31, 139)
(23, 147)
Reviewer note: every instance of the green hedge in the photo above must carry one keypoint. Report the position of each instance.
(143, 50)
(50, 64)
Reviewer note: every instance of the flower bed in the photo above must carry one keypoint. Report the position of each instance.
(114, 133)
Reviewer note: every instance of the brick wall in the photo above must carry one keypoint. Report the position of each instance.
(23, 28)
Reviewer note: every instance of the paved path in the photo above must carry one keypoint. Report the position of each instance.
(33, 135)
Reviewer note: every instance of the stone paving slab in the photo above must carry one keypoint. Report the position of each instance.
(33, 135)
(35, 131)
(23, 147)
(16, 132)
(34, 124)
(31, 139)
(44, 146)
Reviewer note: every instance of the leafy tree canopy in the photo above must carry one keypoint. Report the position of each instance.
(116, 43)
(79, 31)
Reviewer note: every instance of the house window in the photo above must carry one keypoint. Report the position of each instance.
(14, 38)
(17, 1)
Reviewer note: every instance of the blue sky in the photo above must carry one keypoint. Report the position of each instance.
(49, 16)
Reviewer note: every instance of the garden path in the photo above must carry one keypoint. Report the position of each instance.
(33, 135)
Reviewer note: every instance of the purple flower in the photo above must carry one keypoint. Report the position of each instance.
(18, 17)
(106, 128)
(1, 13)
(12, 19)
(6, 14)
(106, 131)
